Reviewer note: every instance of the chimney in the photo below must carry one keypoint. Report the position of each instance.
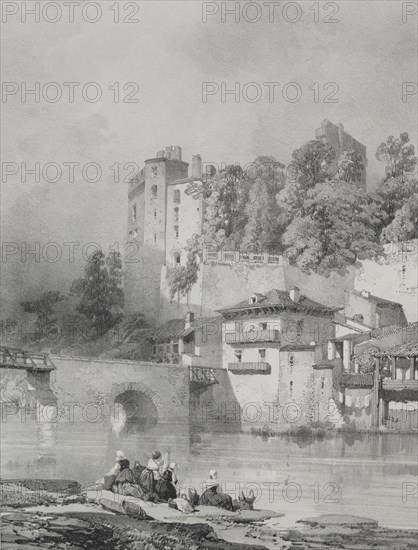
(189, 319)
(294, 294)
(197, 167)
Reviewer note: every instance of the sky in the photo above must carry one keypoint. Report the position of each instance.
(169, 51)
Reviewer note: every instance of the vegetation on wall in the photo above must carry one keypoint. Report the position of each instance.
(182, 278)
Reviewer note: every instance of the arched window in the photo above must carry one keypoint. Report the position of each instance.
(154, 192)
(176, 258)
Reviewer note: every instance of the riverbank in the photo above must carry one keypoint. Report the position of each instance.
(40, 518)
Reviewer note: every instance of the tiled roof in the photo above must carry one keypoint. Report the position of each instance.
(383, 332)
(175, 328)
(357, 380)
(377, 300)
(280, 299)
(410, 349)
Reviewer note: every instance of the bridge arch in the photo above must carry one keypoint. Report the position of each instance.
(135, 407)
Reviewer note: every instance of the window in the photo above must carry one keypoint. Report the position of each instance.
(262, 355)
(291, 388)
(154, 350)
(155, 237)
(154, 192)
(176, 231)
(135, 235)
(322, 383)
(263, 326)
(134, 213)
(291, 360)
(155, 214)
(175, 348)
(154, 171)
(177, 196)
(176, 214)
(238, 356)
(176, 258)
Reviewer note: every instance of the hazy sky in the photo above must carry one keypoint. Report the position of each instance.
(169, 53)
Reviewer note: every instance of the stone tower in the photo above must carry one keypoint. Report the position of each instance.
(334, 135)
(147, 229)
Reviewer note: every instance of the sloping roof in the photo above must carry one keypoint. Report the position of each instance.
(343, 320)
(383, 332)
(282, 300)
(376, 299)
(185, 180)
(410, 349)
(175, 328)
(357, 380)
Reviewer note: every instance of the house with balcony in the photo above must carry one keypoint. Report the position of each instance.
(270, 344)
(396, 377)
(188, 341)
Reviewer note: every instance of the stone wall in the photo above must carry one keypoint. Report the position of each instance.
(80, 389)
(394, 278)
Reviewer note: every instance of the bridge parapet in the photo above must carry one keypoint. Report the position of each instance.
(13, 358)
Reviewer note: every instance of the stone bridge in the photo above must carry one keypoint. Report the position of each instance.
(134, 395)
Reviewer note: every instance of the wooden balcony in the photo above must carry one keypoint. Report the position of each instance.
(167, 358)
(205, 375)
(252, 336)
(400, 385)
(250, 368)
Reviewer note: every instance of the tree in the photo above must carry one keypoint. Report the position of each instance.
(404, 225)
(225, 212)
(44, 308)
(398, 155)
(262, 230)
(338, 228)
(313, 163)
(100, 291)
(350, 166)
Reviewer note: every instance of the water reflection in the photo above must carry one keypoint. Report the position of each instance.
(354, 473)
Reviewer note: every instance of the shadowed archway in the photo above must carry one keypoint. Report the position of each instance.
(135, 412)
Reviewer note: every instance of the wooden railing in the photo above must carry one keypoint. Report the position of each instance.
(251, 336)
(204, 375)
(260, 367)
(400, 385)
(13, 358)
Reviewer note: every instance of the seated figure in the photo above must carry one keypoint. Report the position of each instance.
(212, 494)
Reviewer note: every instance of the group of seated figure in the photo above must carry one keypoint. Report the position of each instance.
(158, 482)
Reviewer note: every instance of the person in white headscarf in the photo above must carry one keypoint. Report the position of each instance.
(108, 479)
(212, 494)
(153, 472)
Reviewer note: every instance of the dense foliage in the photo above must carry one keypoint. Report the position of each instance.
(100, 291)
(44, 309)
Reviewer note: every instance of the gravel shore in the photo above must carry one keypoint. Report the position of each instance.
(41, 518)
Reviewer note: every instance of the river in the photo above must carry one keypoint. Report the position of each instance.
(367, 474)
